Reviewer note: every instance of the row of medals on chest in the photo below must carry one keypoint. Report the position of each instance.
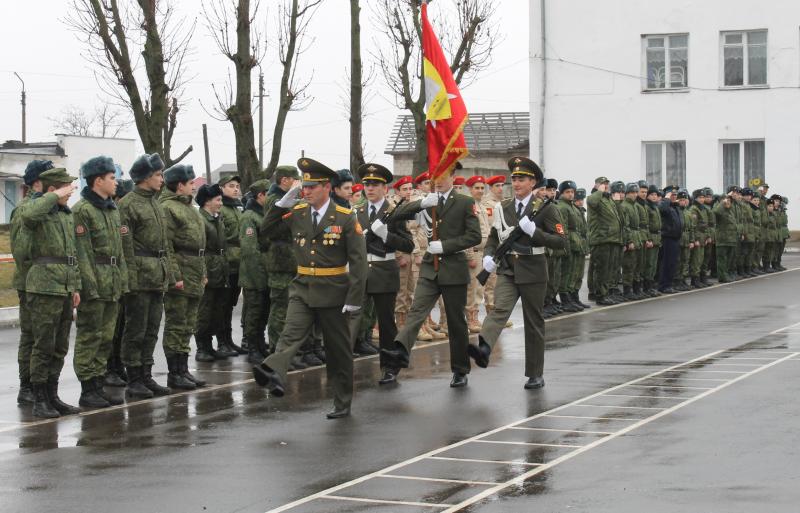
(329, 239)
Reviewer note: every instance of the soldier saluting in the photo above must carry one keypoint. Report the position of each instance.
(383, 277)
(331, 275)
(523, 273)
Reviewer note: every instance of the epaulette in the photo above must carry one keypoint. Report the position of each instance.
(342, 210)
(300, 205)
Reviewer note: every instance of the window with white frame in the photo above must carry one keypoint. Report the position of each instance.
(665, 163)
(744, 58)
(666, 61)
(742, 161)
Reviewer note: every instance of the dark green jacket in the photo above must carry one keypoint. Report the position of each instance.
(383, 277)
(783, 223)
(52, 235)
(144, 240)
(216, 246)
(644, 222)
(232, 216)
(186, 236)
(654, 223)
(458, 228)
(253, 266)
(688, 234)
(748, 223)
(104, 275)
(699, 214)
(583, 233)
(20, 238)
(277, 238)
(570, 215)
(605, 224)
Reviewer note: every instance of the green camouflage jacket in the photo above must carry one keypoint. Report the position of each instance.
(217, 270)
(689, 227)
(52, 235)
(104, 275)
(20, 238)
(630, 223)
(605, 224)
(144, 240)
(699, 214)
(186, 236)
(569, 215)
(278, 241)
(583, 233)
(232, 216)
(253, 267)
(727, 225)
(654, 223)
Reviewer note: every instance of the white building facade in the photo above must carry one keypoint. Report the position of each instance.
(684, 92)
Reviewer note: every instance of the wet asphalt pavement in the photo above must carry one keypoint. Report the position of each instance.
(683, 403)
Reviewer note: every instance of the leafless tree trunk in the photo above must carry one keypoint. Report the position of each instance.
(227, 19)
(293, 19)
(469, 45)
(117, 33)
(356, 88)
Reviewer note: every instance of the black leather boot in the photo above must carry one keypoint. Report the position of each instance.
(184, 360)
(112, 400)
(223, 349)
(175, 378)
(577, 300)
(25, 394)
(90, 398)
(150, 383)
(136, 388)
(204, 351)
(567, 305)
(41, 402)
(56, 402)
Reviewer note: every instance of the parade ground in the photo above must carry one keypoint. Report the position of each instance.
(687, 402)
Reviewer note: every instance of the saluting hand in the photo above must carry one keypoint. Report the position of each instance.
(291, 198)
(65, 192)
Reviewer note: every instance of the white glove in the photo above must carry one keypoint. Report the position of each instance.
(289, 199)
(527, 226)
(379, 229)
(350, 308)
(505, 233)
(431, 200)
(435, 247)
(489, 265)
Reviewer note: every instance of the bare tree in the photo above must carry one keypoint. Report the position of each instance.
(232, 24)
(293, 19)
(469, 43)
(104, 122)
(126, 38)
(356, 88)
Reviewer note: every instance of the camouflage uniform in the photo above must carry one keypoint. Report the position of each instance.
(20, 249)
(232, 216)
(699, 215)
(253, 277)
(210, 317)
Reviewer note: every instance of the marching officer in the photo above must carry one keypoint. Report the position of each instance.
(104, 279)
(382, 240)
(523, 272)
(454, 228)
(331, 276)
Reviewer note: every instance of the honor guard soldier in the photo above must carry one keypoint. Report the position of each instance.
(104, 279)
(454, 228)
(20, 238)
(186, 245)
(331, 277)
(521, 273)
(383, 240)
(52, 288)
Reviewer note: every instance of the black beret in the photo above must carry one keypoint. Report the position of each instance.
(206, 192)
(34, 169)
(145, 166)
(179, 173)
(566, 185)
(98, 166)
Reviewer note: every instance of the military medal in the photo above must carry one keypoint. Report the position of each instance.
(302, 242)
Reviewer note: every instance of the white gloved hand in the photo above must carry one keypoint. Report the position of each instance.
(489, 265)
(350, 308)
(379, 229)
(528, 226)
(289, 199)
(435, 247)
(431, 200)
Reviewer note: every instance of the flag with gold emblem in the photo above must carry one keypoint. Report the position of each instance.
(445, 108)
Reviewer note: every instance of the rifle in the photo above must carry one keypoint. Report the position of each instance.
(507, 245)
(374, 243)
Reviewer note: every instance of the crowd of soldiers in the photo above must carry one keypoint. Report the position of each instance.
(327, 267)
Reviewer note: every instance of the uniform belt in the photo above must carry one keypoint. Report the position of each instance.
(533, 251)
(321, 271)
(67, 260)
(151, 254)
(105, 260)
(376, 258)
(191, 252)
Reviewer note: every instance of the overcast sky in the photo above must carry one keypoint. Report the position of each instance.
(48, 56)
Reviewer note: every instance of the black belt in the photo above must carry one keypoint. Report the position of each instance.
(191, 252)
(147, 253)
(67, 260)
(105, 260)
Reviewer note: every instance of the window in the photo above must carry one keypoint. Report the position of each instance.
(741, 162)
(665, 163)
(667, 61)
(744, 58)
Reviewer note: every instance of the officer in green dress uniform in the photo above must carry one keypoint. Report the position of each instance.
(329, 287)
(523, 272)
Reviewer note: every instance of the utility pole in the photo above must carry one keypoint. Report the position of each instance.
(260, 97)
(208, 162)
(23, 105)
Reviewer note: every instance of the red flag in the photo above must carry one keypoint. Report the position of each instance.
(446, 111)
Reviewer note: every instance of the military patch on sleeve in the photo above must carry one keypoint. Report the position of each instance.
(123, 230)
(560, 229)
(358, 229)
(80, 229)
(489, 211)
(250, 232)
(287, 215)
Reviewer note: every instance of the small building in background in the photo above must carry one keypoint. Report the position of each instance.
(222, 171)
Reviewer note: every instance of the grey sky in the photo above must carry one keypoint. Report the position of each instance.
(48, 56)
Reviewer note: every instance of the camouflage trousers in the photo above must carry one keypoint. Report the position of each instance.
(51, 318)
(256, 315)
(25, 338)
(726, 262)
(278, 304)
(709, 259)
(650, 272)
(95, 326)
(758, 254)
(571, 272)
(683, 263)
(579, 271)
(745, 263)
(630, 267)
(696, 261)
(143, 312)
(602, 268)
(180, 319)
(210, 315)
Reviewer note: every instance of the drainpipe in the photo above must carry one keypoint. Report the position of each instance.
(543, 79)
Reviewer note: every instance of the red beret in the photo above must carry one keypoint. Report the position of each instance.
(422, 177)
(358, 187)
(459, 180)
(475, 179)
(401, 182)
(496, 179)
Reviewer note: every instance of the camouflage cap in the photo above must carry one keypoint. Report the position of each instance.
(56, 176)
(601, 179)
(228, 178)
(259, 186)
(286, 172)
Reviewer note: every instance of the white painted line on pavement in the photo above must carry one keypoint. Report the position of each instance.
(561, 430)
(503, 442)
(657, 397)
(672, 386)
(381, 501)
(438, 480)
(620, 407)
(589, 418)
(499, 462)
